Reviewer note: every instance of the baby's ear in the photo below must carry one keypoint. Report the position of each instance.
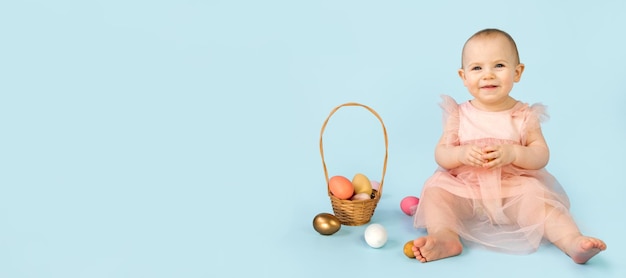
(461, 73)
(519, 69)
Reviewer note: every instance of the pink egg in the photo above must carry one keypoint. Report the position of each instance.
(375, 185)
(408, 205)
(360, 196)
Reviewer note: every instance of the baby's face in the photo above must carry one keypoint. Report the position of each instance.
(490, 68)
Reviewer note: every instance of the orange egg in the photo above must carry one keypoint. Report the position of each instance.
(341, 187)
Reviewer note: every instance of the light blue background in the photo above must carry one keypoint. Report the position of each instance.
(180, 138)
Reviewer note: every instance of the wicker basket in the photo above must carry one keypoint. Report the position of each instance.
(357, 212)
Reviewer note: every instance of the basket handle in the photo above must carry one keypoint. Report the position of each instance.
(382, 180)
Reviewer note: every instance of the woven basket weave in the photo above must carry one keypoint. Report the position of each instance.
(354, 212)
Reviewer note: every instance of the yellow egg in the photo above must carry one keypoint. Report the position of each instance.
(361, 184)
(408, 251)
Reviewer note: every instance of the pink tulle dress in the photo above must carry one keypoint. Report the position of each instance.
(503, 209)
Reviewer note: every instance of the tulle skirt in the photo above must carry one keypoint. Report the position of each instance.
(504, 209)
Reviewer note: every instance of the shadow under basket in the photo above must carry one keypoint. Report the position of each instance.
(355, 212)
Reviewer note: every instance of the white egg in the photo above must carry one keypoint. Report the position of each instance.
(375, 235)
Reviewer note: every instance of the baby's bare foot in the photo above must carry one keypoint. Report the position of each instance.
(436, 246)
(583, 248)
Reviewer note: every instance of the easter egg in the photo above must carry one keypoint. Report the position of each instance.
(375, 235)
(341, 187)
(408, 249)
(326, 223)
(375, 185)
(361, 196)
(361, 184)
(408, 205)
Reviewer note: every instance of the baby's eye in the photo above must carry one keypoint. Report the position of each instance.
(499, 65)
(476, 68)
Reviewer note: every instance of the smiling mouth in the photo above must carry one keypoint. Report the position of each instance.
(489, 87)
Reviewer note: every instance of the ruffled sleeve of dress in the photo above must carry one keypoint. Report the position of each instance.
(533, 116)
(450, 120)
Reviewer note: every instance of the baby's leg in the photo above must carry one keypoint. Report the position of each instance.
(563, 232)
(441, 218)
(536, 206)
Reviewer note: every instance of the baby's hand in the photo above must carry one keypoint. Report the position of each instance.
(471, 155)
(496, 156)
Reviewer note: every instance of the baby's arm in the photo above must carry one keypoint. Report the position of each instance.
(533, 156)
(450, 156)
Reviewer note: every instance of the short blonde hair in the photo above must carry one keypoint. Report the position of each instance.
(492, 32)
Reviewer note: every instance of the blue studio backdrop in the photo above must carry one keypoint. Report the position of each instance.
(181, 138)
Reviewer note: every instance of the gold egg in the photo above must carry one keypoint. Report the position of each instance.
(408, 251)
(326, 224)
